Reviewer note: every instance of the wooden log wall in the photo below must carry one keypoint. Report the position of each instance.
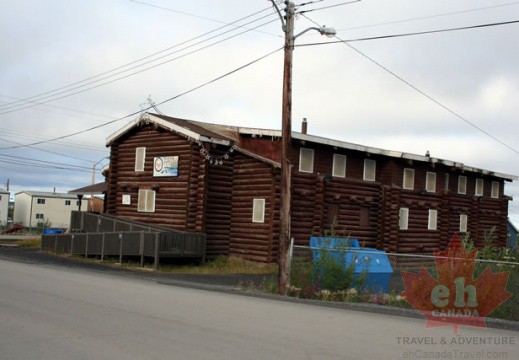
(175, 205)
(252, 179)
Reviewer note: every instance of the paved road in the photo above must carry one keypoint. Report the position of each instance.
(47, 312)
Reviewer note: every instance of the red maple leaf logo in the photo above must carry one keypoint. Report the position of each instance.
(456, 298)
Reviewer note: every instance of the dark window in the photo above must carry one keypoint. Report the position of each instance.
(364, 216)
(67, 202)
(39, 216)
(333, 213)
(41, 201)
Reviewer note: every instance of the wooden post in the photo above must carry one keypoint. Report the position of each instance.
(120, 248)
(71, 244)
(86, 245)
(286, 144)
(103, 247)
(55, 244)
(141, 249)
(157, 243)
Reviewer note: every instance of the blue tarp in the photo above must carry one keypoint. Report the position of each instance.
(374, 262)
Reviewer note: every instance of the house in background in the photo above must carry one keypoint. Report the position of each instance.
(4, 206)
(33, 207)
(224, 181)
(512, 235)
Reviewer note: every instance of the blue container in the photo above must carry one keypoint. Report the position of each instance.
(366, 260)
(52, 231)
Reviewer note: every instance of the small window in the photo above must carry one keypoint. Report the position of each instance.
(127, 199)
(67, 202)
(495, 190)
(433, 219)
(306, 160)
(408, 182)
(258, 211)
(446, 182)
(370, 169)
(479, 187)
(462, 184)
(77, 203)
(339, 165)
(403, 218)
(39, 216)
(140, 155)
(463, 222)
(41, 201)
(430, 182)
(146, 201)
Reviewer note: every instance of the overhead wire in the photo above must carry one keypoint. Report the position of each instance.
(414, 87)
(88, 79)
(151, 106)
(327, 7)
(380, 37)
(44, 161)
(43, 166)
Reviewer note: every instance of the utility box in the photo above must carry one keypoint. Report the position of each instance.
(372, 262)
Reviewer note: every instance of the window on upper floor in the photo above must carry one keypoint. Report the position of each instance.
(339, 165)
(462, 184)
(408, 181)
(403, 220)
(430, 182)
(41, 201)
(370, 170)
(258, 210)
(446, 182)
(433, 219)
(39, 216)
(146, 200)
(140, 155)
(479, 187)
(463, 222)
(495, 189)
(67, 202)
(306, 160)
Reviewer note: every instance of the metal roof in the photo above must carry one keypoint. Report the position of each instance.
(47, 194)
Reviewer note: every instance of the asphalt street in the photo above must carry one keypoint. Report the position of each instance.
(51, 312)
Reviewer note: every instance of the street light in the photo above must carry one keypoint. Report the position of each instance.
(287, 24)
(93, 183)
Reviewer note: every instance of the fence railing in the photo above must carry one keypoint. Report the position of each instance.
(131, 243)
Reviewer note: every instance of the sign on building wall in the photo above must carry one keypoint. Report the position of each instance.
(165, 166)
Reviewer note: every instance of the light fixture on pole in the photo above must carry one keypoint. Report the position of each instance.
(287, 24)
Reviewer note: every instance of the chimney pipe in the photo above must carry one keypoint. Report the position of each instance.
(304, 126)
(54, 190)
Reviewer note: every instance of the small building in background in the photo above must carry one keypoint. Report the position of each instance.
(4, 206)
(33, 207)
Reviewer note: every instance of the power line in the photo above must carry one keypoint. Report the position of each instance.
(44, 161)
(67, 94)
(328, 7)
(429, 16)
(437, 102)
(411, 34)
(139, 60)
(68, 144)
(149, 107)
(42, 166)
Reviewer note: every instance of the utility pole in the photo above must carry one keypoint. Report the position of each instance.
(286, 145)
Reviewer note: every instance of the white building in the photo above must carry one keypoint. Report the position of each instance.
(32, 207)
(4, 206)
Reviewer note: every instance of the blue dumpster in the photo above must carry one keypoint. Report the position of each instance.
(53, 231)
(366, 260)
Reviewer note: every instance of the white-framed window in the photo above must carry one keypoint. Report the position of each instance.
(67, 202)
(146, 201)
(339, 165)
(446, 182)
(39, 216)
(403, 221)
(258, 210)
(463, 222)
(433, 219)
(370, 170)
(495, 189)
(462, 184)
(127, 199)
(140, 155)
(430, 182)
(479, 187)
(408, 181)
(306, 160)
(40, 201)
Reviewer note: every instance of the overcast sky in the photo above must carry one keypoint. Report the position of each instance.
(48, 45)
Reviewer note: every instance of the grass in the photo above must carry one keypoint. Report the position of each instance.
(222, 265)
(32, 243)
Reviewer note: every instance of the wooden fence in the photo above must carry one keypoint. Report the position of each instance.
(130, 243)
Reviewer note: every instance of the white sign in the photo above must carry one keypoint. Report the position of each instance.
(127, 199)
(165, 166)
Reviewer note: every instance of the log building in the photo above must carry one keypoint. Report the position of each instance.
(224, 181)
